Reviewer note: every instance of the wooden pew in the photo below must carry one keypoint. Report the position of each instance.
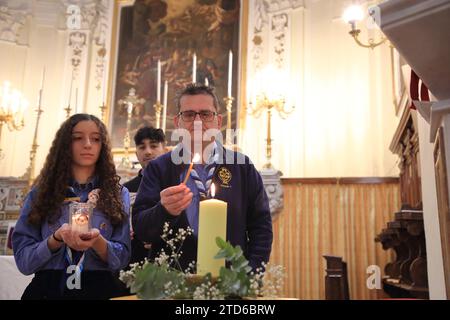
(336, 280)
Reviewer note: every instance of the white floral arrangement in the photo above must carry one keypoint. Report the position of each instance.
(165, 279)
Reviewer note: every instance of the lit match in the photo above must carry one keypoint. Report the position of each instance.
(194, 160)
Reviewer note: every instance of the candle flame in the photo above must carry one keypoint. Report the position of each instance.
(196, 158)
(213, 190)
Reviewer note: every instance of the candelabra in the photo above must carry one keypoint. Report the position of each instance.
(263, 102)
(12, 109)
(130, 101)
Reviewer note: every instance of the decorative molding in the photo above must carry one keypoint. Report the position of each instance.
(85, 16)
(274, 6)
(274, 190)
(279, 38)
(261, 21)
(77, 43)
(100, 41)
(90, 26)
(91, 16)
(46, 13)
(261, 18)
(12, 22)
(271, 24)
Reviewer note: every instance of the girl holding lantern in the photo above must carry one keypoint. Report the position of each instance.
(69, 263)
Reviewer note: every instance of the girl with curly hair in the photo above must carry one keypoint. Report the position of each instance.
(67, 263)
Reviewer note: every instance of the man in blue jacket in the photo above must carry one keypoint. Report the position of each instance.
(163, 197)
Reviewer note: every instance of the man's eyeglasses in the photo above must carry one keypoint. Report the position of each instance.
(205, 115)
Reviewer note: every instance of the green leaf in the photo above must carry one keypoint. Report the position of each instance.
(221, 254)
(220, 242)
(240, 264)
(151, 281)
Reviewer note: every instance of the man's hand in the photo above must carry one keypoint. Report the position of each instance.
(176, 199)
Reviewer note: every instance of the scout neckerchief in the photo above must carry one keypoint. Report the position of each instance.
(203, 187)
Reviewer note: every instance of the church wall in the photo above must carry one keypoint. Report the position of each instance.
(344, 118)
(46, 39)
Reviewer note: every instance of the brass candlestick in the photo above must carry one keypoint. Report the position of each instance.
(68, 111)
(130, 101)
(102, 111)
(29, 173)
(158, 108)
(126, 163)
(229, 106)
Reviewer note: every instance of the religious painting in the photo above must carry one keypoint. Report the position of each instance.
(172, 32)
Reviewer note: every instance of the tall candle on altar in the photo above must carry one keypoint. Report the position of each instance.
(42, 88)
(194, 68)
(166, 88)
(212, 223)
(70, 90)
(230, 72)
(158, 84)
(76, 100)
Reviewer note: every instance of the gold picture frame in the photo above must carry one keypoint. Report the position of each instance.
(239, 74)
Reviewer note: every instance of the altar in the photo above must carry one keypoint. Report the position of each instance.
(12, 281)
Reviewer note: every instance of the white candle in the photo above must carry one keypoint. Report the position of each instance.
(206, 82)
(212, 224)
(76, 100)
(158, 84)
(80, 223)
(230, 72)
(194, 68)
(70, 90)
(43, 78)
(42, 88)
(166, 88)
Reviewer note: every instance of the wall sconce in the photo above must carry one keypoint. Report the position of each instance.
(355, 14)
